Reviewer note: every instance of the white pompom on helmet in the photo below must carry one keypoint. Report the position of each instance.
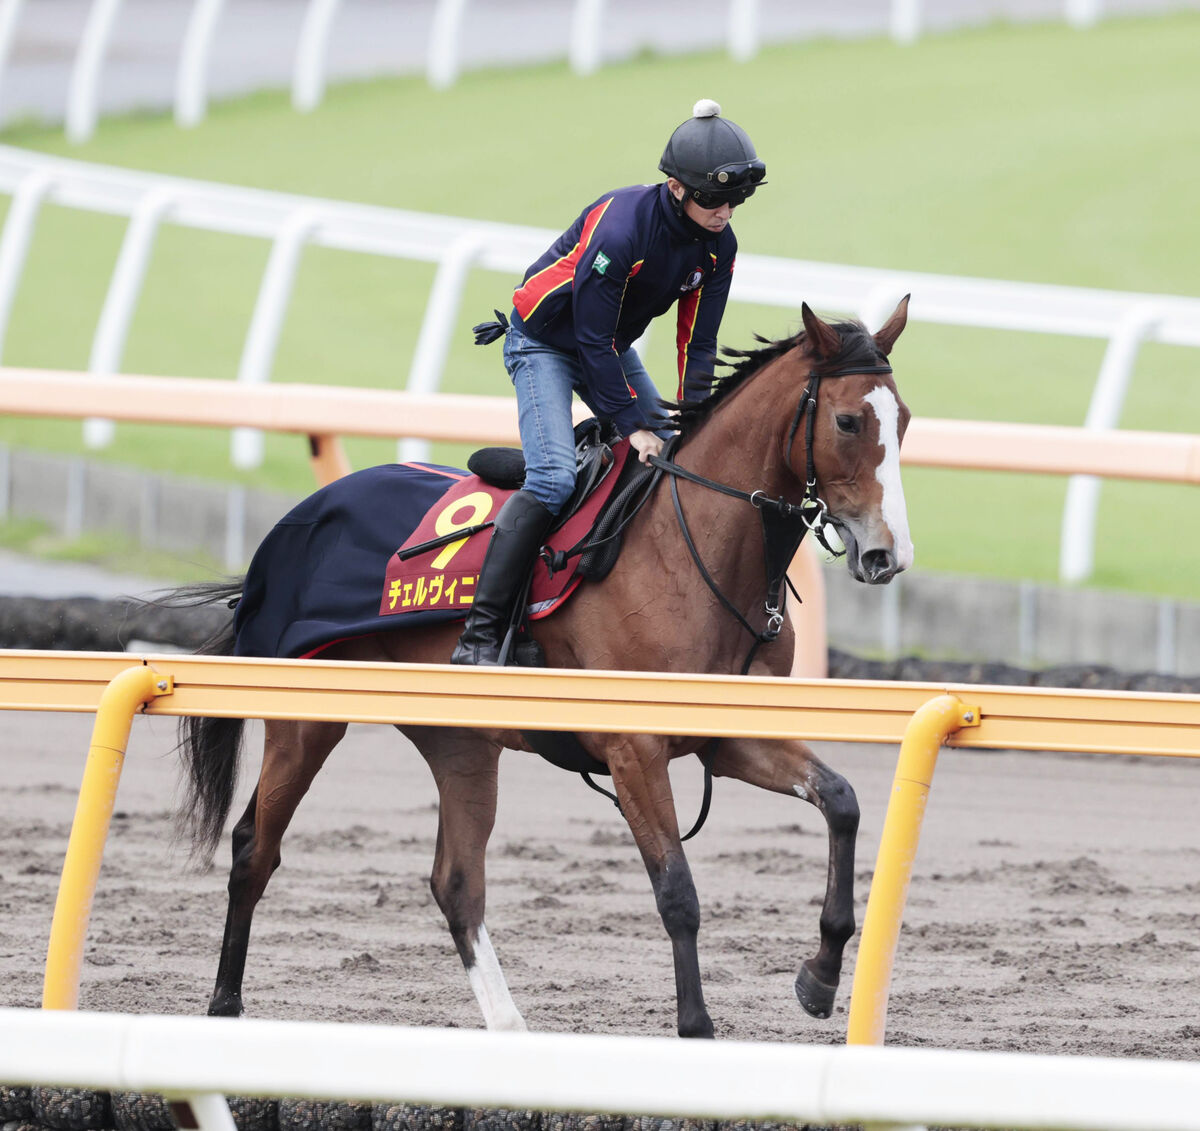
(713, 158)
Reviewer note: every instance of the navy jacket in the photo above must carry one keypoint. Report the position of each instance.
(626, 260)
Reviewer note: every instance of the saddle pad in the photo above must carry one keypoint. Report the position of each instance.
(328, 571)
(445, 576)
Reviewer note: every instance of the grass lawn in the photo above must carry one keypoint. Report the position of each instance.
(1035, 153)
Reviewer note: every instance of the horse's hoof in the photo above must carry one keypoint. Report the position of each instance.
(225, 1005)
(701, 1028)
(816, 996)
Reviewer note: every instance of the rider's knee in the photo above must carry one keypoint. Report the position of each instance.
(551, 487)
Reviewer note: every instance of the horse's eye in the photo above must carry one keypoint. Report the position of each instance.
(847, 423)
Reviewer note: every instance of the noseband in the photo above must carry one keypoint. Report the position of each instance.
(784, 524)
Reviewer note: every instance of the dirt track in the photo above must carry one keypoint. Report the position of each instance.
(1055, 905)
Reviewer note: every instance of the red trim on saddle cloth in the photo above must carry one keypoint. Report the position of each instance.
(444, 578)
(435, 470)
(530, 294)
(314, 652)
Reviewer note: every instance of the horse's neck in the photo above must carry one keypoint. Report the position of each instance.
(741, 445)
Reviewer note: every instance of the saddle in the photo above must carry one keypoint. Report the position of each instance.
(594, 459)
(598, 551)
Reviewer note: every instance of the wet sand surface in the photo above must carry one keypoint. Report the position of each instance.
(1055, 902)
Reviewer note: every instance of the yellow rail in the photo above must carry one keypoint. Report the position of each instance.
(89, 830)
(1102, 722)
(931, 726)
(920, 716)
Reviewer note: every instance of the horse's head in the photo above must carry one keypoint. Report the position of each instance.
(857, 426)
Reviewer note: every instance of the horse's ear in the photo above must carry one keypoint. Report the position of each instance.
(892, 328)
(824, 338)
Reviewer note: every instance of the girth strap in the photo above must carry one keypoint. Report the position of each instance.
(705, 801)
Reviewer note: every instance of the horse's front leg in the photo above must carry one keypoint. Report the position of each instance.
(791, 768)
(639, 768)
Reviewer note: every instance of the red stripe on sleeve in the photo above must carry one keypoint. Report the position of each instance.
(529, 296)
(689, 305)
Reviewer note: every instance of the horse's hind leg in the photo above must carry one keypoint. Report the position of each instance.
(465, 766)
(791, 768)
(292, 755)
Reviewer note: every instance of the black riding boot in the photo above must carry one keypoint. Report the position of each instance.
(516, 538)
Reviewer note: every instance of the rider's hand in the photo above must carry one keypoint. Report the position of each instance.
(646, 444)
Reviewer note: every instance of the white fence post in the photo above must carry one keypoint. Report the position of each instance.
(14, 244)
(112, 329)
(10, 11)
(82, 97)
(881, 300)
(308, 80)
(274, 293)
(211, 1110)
(585, 51)
(904, 21)
(191, 83)
(235, 526)
(429, 358)
(443, 64)
(1077, 549)
(743, 30)
(1082, 13)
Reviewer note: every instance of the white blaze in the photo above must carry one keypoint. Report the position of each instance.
(894, 510)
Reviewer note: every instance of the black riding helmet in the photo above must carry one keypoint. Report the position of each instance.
(713, 158)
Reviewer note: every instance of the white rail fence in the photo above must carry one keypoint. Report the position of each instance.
(1123, 319)
(200, 1060)
(746, 27)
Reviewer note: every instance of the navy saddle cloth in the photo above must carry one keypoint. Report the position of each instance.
(316, 577)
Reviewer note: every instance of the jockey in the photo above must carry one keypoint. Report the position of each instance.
(629, 257)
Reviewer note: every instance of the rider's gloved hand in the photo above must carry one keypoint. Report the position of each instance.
(646, 444)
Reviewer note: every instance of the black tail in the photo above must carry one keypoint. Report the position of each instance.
(211, 748)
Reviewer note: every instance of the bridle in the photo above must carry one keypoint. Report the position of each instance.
(807, 408)
(784, 524)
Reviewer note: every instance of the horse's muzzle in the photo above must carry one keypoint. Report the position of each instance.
(876, 566)
(879, 567)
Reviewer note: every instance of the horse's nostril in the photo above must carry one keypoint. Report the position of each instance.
(878, 564)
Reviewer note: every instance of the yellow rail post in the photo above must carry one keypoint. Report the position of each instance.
(93, 812)
(932, 724)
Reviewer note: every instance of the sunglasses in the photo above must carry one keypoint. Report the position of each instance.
(732, 184)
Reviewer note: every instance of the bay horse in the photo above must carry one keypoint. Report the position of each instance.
(813, 423)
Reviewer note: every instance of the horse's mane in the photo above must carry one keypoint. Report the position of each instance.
(857, 348)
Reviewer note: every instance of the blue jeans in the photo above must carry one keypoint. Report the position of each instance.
(545, 379)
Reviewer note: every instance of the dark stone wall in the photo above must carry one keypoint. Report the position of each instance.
(89, 624)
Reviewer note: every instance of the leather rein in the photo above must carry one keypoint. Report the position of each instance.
(784, 524)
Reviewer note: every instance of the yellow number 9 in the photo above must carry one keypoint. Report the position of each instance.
(477, 506)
